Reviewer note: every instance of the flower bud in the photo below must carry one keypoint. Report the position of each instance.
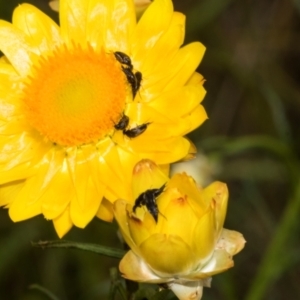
(175, 231)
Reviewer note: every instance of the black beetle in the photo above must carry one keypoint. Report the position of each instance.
(148, 198)
(136, 131)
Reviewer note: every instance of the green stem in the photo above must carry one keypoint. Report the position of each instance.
(95, 248)
(44, 291)
(131, 287)
(270, 268)
(116, 285)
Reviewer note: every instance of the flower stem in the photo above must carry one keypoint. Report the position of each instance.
(44, 291)
(99, 249)
(116, 285)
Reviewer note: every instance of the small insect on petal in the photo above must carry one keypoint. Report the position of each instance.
(123, 123)
(134, 79)
(136, 131)
(148, 198)
(123, 59)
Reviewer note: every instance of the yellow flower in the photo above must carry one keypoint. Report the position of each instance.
(175, 231)
(83, 102)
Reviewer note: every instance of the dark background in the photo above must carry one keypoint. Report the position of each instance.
(251, 141)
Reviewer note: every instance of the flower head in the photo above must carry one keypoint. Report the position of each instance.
(182, 242)
(82, 102)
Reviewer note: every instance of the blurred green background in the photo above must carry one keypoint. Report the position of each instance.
(251, 141)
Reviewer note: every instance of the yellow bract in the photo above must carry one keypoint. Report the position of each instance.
(63, 94)
(187, 243)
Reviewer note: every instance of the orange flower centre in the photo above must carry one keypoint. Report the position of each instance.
(75, 96)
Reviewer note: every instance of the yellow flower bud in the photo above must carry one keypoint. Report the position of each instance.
(175, 231)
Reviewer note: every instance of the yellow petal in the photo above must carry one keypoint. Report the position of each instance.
(165, 48)
(192, 153)
(73, 20)
(153, 23)
(28, 202)
(219, 262)
(180, 147)
(24, 205)
(231, 241)
(191, 290)
(141, 113)
(186, 61)
(12, 119)
(196, 78)
(10, 104)
(187, 187)
(140, 6)
(134, 268)
(165, 169)
(43, 33)
(86, 159)
(116, 26)
(141, 229)
(9, 191)
(63, 223)
(194, 119)
(110, 170)
(167, 255)
(19, 155)
(217, 194)
(56, 189)
(193, 95)
(120, 213)
(166, 144)
(82, 215)
(14, 126)
(147, 175)
(8, 71)
(88, 195)
(177, 72)
(177, 216)
(129, 160)
(85, 205)
(79, 170)
(16, 47)
(105, 211)
(204, 239)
